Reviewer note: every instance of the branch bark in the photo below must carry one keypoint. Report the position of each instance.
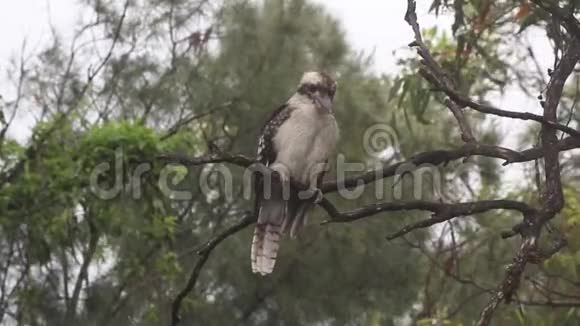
(533, 218)
(566, 17)
(552, 197)
(441, 211)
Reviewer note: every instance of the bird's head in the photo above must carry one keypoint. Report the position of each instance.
(319, 87)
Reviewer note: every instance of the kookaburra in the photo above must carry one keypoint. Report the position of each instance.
(296, 142)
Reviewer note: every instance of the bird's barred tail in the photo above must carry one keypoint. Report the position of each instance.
(265, 248)
(265, 245)
(275, 217)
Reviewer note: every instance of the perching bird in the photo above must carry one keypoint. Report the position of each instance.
(296, 142)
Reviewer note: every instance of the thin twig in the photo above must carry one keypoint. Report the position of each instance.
(204, 254)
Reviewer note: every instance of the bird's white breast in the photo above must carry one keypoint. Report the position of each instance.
(305, 140)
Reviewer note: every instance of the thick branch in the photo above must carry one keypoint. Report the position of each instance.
(552, 198)
(510, 283)
(444, 156)
(441, 211)
(466, 133)
(433, 157)
(235, 159)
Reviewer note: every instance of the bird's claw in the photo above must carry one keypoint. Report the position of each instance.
(318, 196)
(315, 194)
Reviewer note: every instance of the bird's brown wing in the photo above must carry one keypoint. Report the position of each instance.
(270, 212)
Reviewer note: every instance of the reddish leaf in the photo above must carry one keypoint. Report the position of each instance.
(523, 10)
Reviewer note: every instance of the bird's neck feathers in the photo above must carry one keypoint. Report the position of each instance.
(304, 102)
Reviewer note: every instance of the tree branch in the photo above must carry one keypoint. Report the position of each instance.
(441, 211)
(443, 157)
(552, 197)
(411, 19)
(39, 140)
(203, 257)
(83, 271)
(566, 16)
(235, 159)
(435, 75)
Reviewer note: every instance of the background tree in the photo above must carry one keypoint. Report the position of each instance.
(146, 85)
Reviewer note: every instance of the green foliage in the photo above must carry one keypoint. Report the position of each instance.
(139, 249)
(205, 95)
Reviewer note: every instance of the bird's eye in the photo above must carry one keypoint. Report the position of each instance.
(331, 91)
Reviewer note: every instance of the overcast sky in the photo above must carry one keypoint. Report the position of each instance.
(373, 26)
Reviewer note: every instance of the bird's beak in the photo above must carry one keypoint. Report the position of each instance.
(324, 101)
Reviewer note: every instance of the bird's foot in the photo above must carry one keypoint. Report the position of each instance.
(281, 173)
(315, 194)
